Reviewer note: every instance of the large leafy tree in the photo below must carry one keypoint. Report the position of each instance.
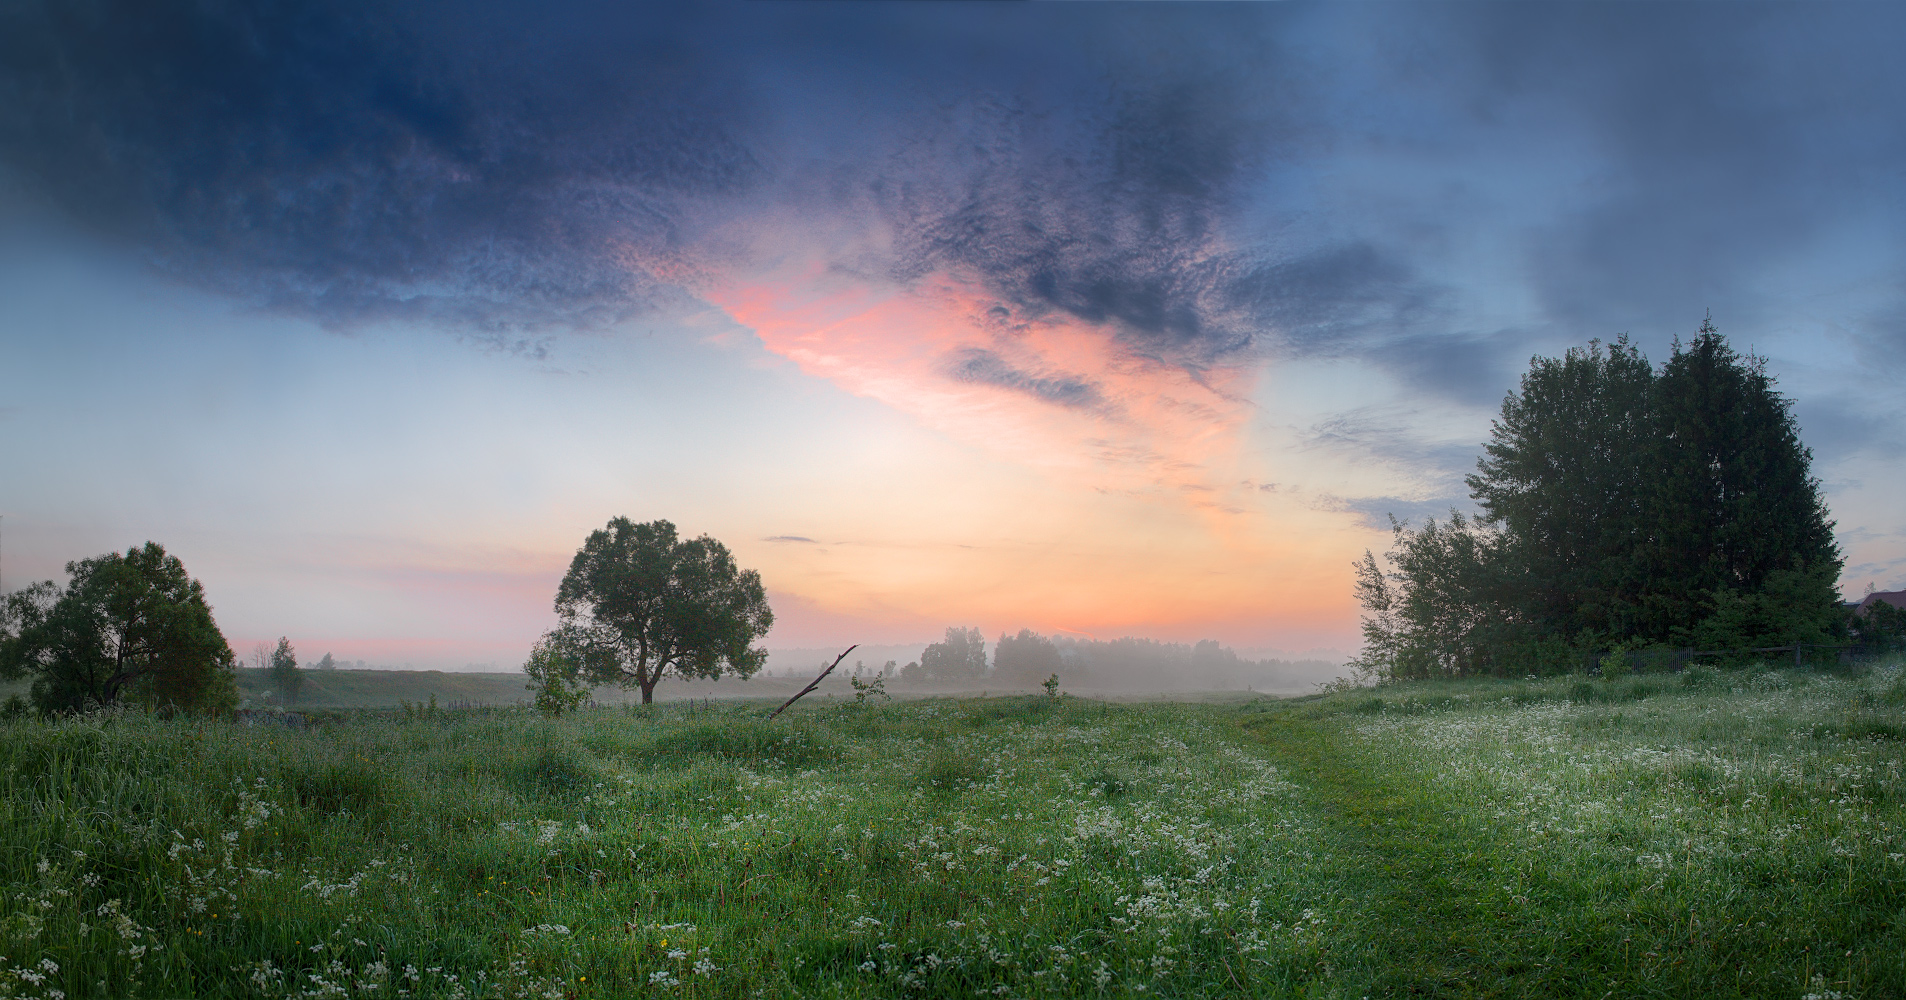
(1448, 608)
(1564, 478)
(130, 627)
(640, 603)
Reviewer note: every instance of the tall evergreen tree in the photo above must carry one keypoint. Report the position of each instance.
(285, 675)
(1734, 509)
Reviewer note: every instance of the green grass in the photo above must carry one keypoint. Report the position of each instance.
(386, 688)
(333, 689)
(1718, 834)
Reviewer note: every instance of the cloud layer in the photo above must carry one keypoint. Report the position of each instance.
(1146, 172)
(1067, 232)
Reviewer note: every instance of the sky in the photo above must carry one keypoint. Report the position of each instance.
(1098, 320)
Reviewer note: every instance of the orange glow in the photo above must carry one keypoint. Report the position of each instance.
(1131, 511)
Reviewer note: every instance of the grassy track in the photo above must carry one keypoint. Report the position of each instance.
(1739, 834)
(1420, 885)
(1710, 836)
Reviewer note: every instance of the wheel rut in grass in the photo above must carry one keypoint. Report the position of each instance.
(1424, 890)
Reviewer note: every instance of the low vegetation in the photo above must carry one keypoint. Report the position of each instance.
(1718, 833)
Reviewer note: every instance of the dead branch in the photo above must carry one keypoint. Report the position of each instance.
(817, 682)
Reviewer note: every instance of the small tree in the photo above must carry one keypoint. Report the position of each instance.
(132, 627)
(556, 677)
(285, 675)
(639, 603)
(327, 663)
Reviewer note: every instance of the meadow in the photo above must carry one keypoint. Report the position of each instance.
(1717, 833)
(325, 690)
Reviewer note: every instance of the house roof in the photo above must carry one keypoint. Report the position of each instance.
(1896, 598)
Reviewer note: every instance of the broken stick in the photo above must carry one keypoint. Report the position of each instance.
(817, 682)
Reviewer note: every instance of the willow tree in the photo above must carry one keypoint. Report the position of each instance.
(640, 603)
(128, 627)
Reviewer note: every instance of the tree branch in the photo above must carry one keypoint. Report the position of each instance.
(816, 683)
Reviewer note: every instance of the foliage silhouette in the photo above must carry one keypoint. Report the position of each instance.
(130, 627)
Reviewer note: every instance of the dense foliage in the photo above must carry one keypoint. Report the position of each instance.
(555, 677)
(1622, 506)
(640, 603)
(126, 628)
(1880, 626)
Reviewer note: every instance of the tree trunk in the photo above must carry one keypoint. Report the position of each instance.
(648, 691)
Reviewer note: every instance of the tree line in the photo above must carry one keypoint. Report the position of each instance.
(1621, 505)
(1025, 660)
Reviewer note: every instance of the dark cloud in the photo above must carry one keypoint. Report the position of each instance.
(1060, 388)
(1196, 180)
(1721, 141)
(495, 169)
(1477, 370)
(1313, 303)
(352, 164)
(1835, 428)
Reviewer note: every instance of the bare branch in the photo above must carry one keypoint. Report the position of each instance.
(816, 683)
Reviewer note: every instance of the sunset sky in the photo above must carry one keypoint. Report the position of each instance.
(1096, 319)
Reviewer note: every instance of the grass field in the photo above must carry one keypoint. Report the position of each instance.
(1715, 834)
(331, 689)
(324, 690)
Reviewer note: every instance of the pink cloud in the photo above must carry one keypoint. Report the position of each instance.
(1055, 394)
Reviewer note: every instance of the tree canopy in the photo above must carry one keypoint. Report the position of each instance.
(959, 658)
(126, 628)
(1621, 506)
(639, 603)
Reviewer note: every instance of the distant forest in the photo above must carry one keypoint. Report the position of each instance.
(964, 660)
(1621, 507)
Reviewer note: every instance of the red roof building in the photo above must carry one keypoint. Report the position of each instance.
(1896, 598)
